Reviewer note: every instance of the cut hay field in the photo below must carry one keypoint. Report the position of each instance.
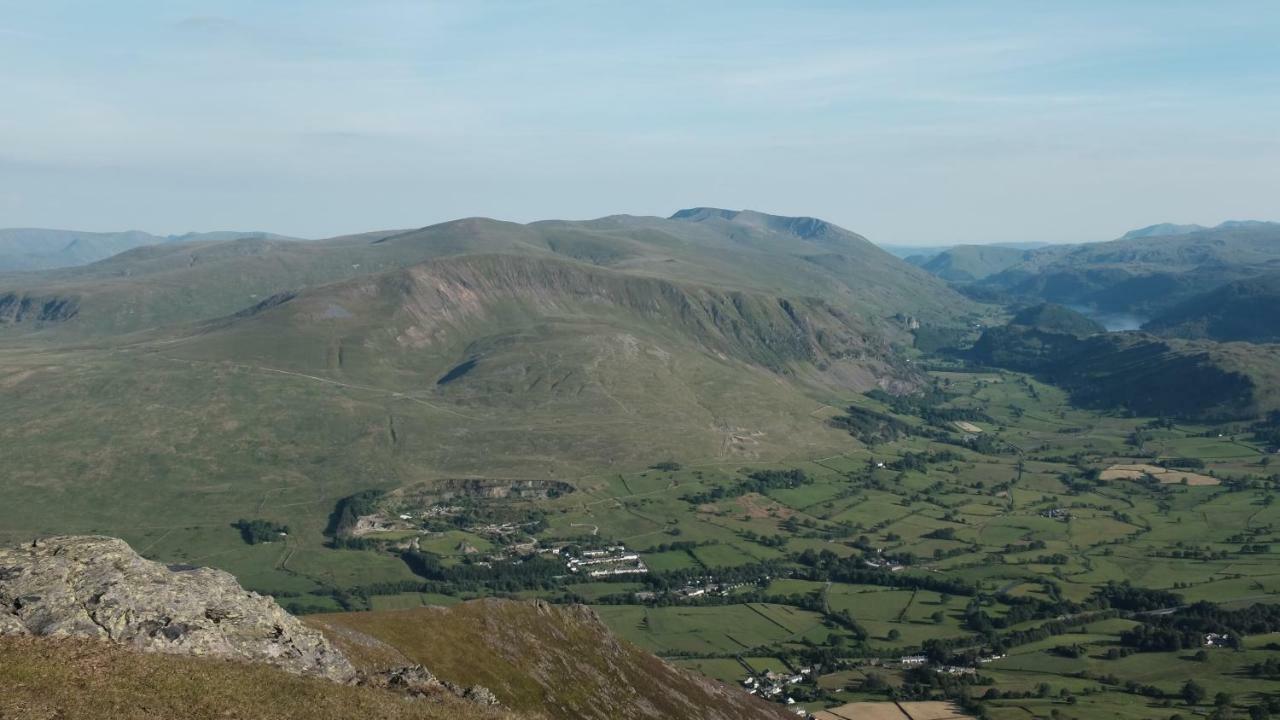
(1164, 475)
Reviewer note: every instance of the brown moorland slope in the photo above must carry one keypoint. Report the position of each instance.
(42, 678)
(538, 658)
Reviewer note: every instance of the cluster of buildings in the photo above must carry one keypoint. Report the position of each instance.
(773, 686)
(611, 560)
(706, 587)
(1217, 640)
(909, 661)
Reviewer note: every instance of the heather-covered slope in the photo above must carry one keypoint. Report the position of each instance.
(557, 661)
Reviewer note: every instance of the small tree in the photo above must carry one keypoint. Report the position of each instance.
(1193, 693)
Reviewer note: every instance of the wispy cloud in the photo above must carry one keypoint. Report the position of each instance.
(348, 114)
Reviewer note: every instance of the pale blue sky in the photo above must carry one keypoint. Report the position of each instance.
(911, 122)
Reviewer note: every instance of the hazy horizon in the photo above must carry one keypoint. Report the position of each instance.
(922, 245)
(923, 124)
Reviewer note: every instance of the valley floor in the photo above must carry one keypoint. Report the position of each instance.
(991, 527)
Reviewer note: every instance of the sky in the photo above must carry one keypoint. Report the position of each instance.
(926, 123)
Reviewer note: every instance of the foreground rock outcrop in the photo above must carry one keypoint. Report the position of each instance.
(99, 587)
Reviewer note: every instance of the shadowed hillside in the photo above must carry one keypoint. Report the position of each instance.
(1055, 318)
(1141, 373)
(1244, 310)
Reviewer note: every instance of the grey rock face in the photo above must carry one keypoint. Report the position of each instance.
(99, 587)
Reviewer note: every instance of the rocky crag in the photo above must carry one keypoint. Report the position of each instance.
(99, 587)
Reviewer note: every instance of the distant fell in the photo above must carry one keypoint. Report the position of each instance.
(807, 228)
(1162, 230)
(25, 249)
(1145, 273)
(967, 263)
(171, 283)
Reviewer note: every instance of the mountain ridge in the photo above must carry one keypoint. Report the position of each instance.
(173, 283)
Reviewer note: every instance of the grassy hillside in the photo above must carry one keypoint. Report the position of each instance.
(502, 367)
(411, 327)
(162, 285)
(1246, 310)
(164, 393)
(560, 661)
(74, 679)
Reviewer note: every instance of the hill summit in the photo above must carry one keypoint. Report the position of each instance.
(802, 227)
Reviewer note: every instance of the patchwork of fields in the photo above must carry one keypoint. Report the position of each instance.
(996, 543)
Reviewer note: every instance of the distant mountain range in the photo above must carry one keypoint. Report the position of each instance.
(23, 249)
(918, 254)
(1146, 274)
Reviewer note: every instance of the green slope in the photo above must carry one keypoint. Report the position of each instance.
(504, 366)
(163, 393)
(414, 325)
(162, 285)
